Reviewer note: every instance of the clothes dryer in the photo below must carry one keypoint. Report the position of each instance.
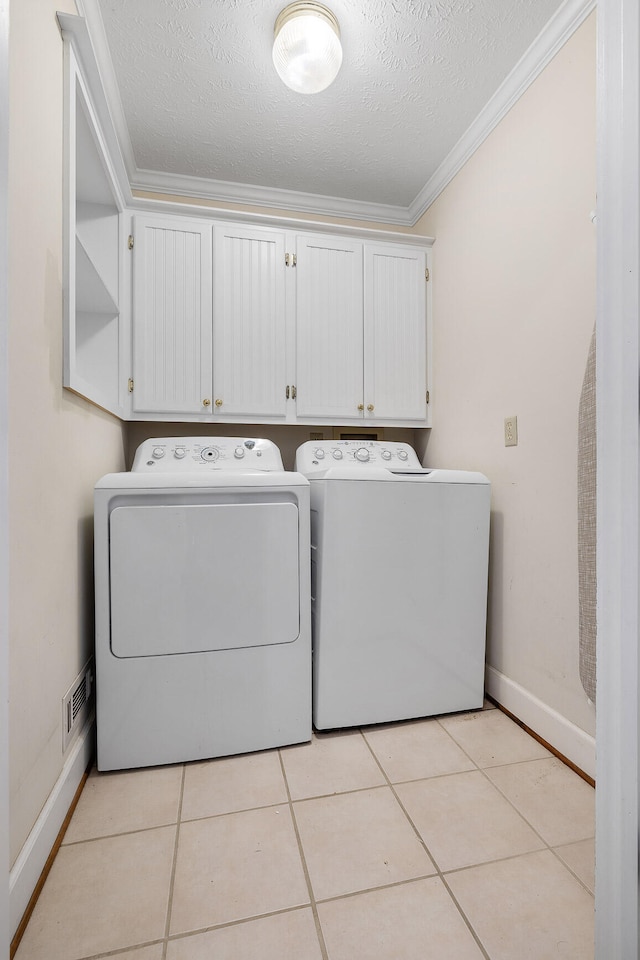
(203, 645)
(399, 583)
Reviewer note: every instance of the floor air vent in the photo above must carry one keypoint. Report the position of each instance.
(76, 704)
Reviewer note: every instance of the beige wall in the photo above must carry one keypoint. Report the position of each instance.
(514, 307)
(59, 445)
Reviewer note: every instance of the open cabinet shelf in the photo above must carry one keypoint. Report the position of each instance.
(94, 341)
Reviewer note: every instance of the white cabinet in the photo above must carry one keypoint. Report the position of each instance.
(329, 333)
(361, 331)
(203, 321)
(209, 323)
(224, 331)
(171, 316)
(395, 333)
(95, 343)
(249, 323)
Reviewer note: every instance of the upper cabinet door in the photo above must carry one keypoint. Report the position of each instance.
(171, 316)
(249, 339)
(328, 277)
(395, 333)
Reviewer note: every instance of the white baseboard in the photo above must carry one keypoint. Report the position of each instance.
(565, 737)
(26, 871)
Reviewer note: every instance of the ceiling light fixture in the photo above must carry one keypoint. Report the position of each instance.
(306, 50)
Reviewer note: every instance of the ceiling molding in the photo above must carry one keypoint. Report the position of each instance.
(149, 205)
(559, 29)
(274, 197)
(90, 10)
(555, 34)
(74, 30)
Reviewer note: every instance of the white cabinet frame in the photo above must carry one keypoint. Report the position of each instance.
(96, 317)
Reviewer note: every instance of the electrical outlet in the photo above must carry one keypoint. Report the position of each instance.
(511, 432)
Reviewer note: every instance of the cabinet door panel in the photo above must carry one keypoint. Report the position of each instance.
(171, 316)
(329, 331)
(249, 322)
(395, 332)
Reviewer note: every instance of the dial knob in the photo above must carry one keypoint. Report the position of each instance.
(158, 452)
(179, 453)
(238, 453)
(336, 454)
(319, 453)
(209, 453)
(362, 454)
(386, 454)
(402, 454)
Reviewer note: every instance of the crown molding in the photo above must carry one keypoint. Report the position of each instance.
(101, 76)
(175, 207)
(74, 31)
(225, 191)
(549, 41)
(103, 65)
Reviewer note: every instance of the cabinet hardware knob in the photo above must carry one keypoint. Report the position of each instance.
(206, 402)
(370, 407)
(218, 403)
(361, 406)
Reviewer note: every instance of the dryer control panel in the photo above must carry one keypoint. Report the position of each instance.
(322, 454)
(189, 454)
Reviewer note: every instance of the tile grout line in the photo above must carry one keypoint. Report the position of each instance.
(312, 899)
(167, 926)
(185, 934)
(547, 845)
(495, 766)
(121, 951)
(440, 874)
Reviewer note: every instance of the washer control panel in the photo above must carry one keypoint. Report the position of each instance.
(318, 455)
(194, 454)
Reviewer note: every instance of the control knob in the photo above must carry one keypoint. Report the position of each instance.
(238, 453)
(319, 453)
(386, 454)
(362, 454)
(179, 453)
(336, 454)
(158, 453)
(402, 454)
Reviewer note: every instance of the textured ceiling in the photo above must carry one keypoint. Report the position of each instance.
(201, 97)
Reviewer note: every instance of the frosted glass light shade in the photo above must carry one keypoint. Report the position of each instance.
(306, 51)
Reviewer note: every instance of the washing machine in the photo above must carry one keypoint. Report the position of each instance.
(399, 583)
(203, 628)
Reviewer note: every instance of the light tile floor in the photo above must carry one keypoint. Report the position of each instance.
(455, 838)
